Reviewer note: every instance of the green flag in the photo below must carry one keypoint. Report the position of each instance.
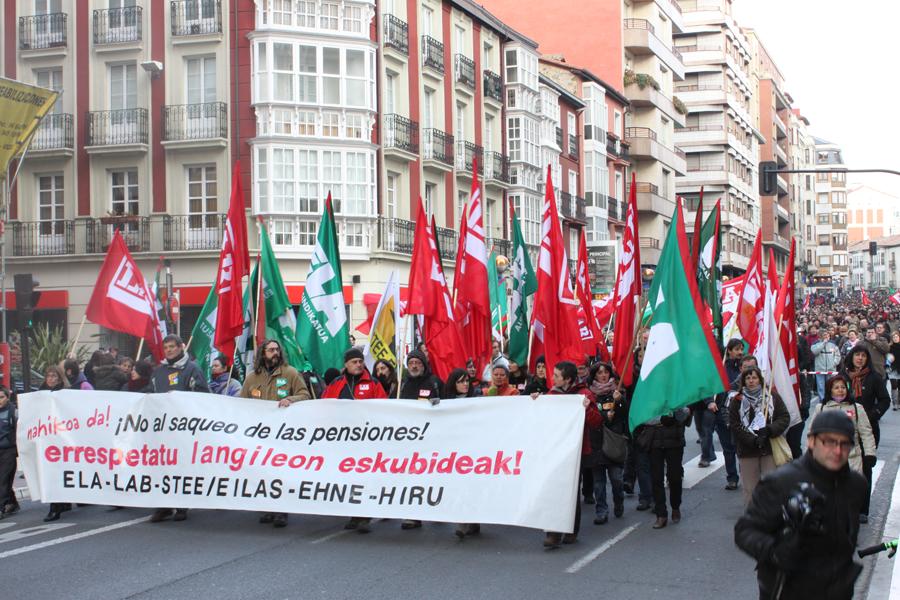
(524, 284)
(323, 331)
(243, 352)
(202, 335)
(709, 269)
(681, 363)
(281, 323)
(494, 291)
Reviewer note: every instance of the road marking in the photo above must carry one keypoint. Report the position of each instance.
(593, 554)
(21, 534)
(7, 525)
(71, 538)
(876, 474)
(337, 534)
(694, 474)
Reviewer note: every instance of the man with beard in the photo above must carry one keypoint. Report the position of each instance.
(272, 379)
(176, 373)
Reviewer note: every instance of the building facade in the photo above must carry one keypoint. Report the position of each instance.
(802, 155)
(871, 213)
(831, 218)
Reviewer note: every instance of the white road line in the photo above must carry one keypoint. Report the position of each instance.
(21, 534)
(694, 474)
(7, 525)
(336, 534)
(71, 538)
(593, 554)
(876, 474)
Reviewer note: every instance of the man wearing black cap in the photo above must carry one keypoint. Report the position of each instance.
(355, 382)
(420, 383)
(810, 554)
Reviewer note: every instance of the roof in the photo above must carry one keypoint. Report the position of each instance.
(888, 241)
(585, 74)
(572, 98)
(481, 13)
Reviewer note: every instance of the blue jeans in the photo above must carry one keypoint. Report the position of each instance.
(615, 479)
(707, 421)
(820, 386)
(645, 481)
(727, 442)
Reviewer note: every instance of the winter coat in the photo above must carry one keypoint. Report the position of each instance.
(592, 418)
(284, 382)
(8, 419)
(360, 387)
(864, 441)
(878, 350)
(664, 432)
(80, 383)
(223, 386)
(744, 439)
(183, 375)
(138, 386)
(822, 567)
(536, 386)
(804, 354)
(618, 424)
(828, 356)
(426, 386)
(109, 377)
(507, 390)
(874, 398)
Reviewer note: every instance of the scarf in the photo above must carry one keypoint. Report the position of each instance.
(603, 389)
(856, 380)
(752, 415)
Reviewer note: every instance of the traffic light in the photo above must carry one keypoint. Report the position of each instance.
(873, 248)
(26, 297)
(768, 178)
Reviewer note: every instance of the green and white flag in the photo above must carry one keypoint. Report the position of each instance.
(681, 362)
(497, 295)
(709, 268)
(524, 284)
(203, 335)
(323, 331)
(281, 323)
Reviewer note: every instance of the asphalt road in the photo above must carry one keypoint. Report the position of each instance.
(97, 553)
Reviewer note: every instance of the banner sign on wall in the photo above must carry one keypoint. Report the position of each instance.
(504, 460)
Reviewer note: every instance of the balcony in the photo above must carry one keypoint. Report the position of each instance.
(467, 154)
(195, 125)
(432, 54)
(612, 209)
(55, 135)
(398, 235)
(464, 71)
(135, 231)
(780, 127)
(559, 138)
(396, 34)
(43, 238)
(193, 232)
(43, 32)
(639, 38)
(650, 200)
(438, 148)
(447, 240)
(118, 25)
(644, 144)
(571, 207)
(651, 243)
(499, 245)
(117, 130)
(496, 167)
(493, 87)
(191, 18)
(401, 137)
(573, 147)
(649, 96)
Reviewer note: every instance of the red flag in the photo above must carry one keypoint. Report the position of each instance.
(695, 240)
(786, 316)
(751, 306)
(865, 298)
(234, 265)
(591, 331)
(473, 298)
(122, 300)
(895, 298)
(628, 289)
(428, 296)
(555, 309)
(806, 302)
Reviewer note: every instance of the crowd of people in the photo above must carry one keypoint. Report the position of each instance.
(846, 353)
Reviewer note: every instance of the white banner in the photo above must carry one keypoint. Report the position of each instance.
(505, 460)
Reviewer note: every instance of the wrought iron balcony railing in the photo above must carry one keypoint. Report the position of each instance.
(116, 127)
(396, 34)
(43, 31)
(195, 17)
(118, 25)
(401, 133)
(195, 121)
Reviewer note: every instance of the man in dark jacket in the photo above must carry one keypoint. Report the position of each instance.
(177, 373)
(420, 383)
(810, 557)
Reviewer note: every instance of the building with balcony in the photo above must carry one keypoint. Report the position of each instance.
(878, 271)
(719, 138)
(871, 213)
(831, 218)
(802, 155)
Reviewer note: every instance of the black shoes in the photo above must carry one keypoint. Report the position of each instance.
(410, 524)
(266, 518)
(676, 515)
(161, 514)
(8, 510)
(628, 488)
(601, 520)
(180, 514)
(53, 515)
(731, 486)
(643, 506)
(280, 520)
(618, 511)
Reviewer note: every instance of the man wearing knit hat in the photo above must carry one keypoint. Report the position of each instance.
(355, 381)
(803, 521)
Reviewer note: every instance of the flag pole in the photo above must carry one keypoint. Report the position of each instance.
(78, 335)
(771, 368)
(399, 358)
(639, 317)
(188, 345)
(137, 356)
(259, 278)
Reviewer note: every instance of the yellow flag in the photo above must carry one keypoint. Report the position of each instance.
(381, 340)
(21, 108)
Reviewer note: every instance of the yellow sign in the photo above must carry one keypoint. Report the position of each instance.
(381, 340)
(21, 108)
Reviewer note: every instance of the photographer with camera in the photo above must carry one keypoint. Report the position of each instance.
(802, 523)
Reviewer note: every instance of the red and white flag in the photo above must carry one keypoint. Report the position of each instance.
(470, 281)
(865, 298)
(731, 298)
(555, 313)
(808, 296)
(751, 306)
(628, 290)
(429, 297)
(591, 331)
(234, 265)
(122, 300)
(895, 298)
(786, 367)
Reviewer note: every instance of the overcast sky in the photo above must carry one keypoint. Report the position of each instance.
(839, 61)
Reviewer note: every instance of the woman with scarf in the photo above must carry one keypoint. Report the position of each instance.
(77, 380)
(457, 385)
(475, 383)
(54, 379)
(518, 376)
(610, 402)
(837, 397)
(140, 382)
(386, 375)
(755, 416)
(221, 382)
(537, 384)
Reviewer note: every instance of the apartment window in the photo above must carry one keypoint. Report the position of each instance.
(262, 72)
(390, 93)
(357, 182)
(331, 75)
(808, 183)
(824, 219)
(822, 198)
(511, 98)
(430, 192)
(514, 134)
(353, 18)
(262, 179)
(124, 196)
(307, 74)
(281, 12)
(617, 123)
(354, 235)
(573, 182)
(306, 122)
(486, 57)
(122, 86)
(824, 240)
(283, 71)
(331, 178)
(664, 188)
(355, 126)
(487, 208)
(428, 109)
(282, 121)
(390, 197)
(570, 124)
(528, 210)
(331, 124)
(427, 20)
(488, 137)
(355, 80)
(51, 204)
(51, 79)
(328, 17)
(202, 197)
(282, 232)
(620, 186)
(283, 180)
(460, 133)
(306, 233)
(201, 80)
(306, 13)
(511, 69)
(460, 40)
(308, 181)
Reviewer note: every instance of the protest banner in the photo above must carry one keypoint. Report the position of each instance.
(505, 460)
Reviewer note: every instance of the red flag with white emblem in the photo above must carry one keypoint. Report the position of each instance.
(234, 265)
(591, 331)
(628, 289)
